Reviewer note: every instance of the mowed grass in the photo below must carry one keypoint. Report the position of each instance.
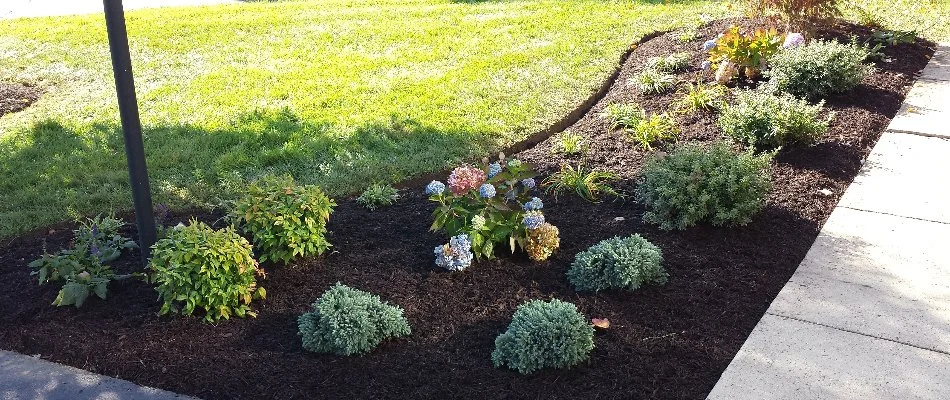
(336, 93)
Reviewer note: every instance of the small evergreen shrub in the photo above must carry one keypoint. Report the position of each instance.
(694, 184)
(347, 321)
(198, 268)
(818, 69)
(763, 120)
(544, 334)
(378, 195)
(618, 263)
(285, 220)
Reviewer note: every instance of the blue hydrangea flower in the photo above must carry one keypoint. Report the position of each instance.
(493, 169)
(533, 219)
(514, 163)
(709, 45)
(456, 255)
(528, 183)
(706, 65)
(435, 187)
(487, 191)
(478, 222)
(534, 205)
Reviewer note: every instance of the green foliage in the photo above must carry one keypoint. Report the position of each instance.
(84, 268)
(544, 334)
(764, 120)
(378, 195)
(890, 37)
(686, 35)
(197, 268)
(651, 81)
(618, 263)
(488, 221)
(568, 143)
(588, 184)
(747, 53)
(695, 184)
(798, 15)
(818, 69)
(657, 128)
(702, 97)
(623, 115)
(347, 321)
(675, 62)
(284, 219)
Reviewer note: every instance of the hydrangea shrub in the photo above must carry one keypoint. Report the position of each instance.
(618, 263)
(544, 334)
(818, 69)
(764, 121)
(542, 242)
(482, 208)
(348, 321)
(694, 184)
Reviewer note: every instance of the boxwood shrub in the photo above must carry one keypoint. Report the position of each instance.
(694, 184)
(764, 120)
(544, 334)
(818, 69)
(618, 263)
(348, 321)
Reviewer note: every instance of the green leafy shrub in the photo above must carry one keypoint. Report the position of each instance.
(745, 54)
(378, 195)
(694, 184)
(818, 69)
(84, 268)
(588, 184)
(764, 120)
(651, 81)
(618, 263)
(544, 334)
(675, 62)
(347, 321)
(197, 268)
(657, 128)
(568, 143)
(702, 97)
(623, 115)
(284, 219)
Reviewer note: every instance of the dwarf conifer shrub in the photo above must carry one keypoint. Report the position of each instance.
(694, 184)
(285, 220)
(198, 268)
(618, 263)
(764, 120)
(818, 69)
(348, 321)
(544, 334)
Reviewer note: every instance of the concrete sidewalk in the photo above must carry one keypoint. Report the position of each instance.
(867, 313)
(47, 8)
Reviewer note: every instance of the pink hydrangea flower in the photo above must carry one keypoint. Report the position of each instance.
(793, 40)
(465, 178)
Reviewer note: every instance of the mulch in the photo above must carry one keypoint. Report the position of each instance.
(669, 342)
(17, 97)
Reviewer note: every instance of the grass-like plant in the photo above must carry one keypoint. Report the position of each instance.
(590, 185)
(618, 263)
(763, 120)
(675, 62)
(651, 81)
(348, 321)
(622, 115)
(378, 195)
(702, 97)
(569, 144)
(544, 334)
(658, 128)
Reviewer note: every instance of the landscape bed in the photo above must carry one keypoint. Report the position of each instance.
(670, 341)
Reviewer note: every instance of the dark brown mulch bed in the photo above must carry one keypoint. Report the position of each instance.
(665, 342)
(16, 97)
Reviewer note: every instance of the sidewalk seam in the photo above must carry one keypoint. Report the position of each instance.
(859, 333)
(915, 133)
(891, 214)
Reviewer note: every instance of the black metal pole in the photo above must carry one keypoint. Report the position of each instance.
(131, 126)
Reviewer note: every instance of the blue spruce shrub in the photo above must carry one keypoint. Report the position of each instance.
(544, 334)
(347, 321)
(618, 263)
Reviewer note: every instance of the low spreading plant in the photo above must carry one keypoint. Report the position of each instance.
(618, 263)
(702, 97)
(818, 69)
(623, 115)
(734, 53)
(348, 321)
(491, 205)
(84, 268)
(198, 268)
(763, 120)
(378, 195)
(694, 184)
(675, 62)
(651, 81)
(658, 128)
(890, 37)
(590, 185)
(570, 144)
(285, 220)
(544, 334)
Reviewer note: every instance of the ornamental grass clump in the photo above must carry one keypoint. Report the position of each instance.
(482, 208)
(198, 268)
(618, 263)
(378, 195)
(544, 334)
(694, 184)
(347, 321)
(763, 121)
(285, 220)
(818, 69)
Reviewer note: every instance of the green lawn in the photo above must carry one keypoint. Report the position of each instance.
(337, 93)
